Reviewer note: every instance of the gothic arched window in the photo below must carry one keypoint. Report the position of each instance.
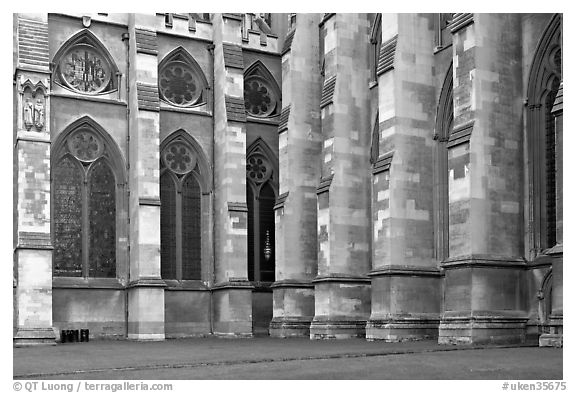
(443, 129)
(181, 183)
(83, 65)
(376, 44)
(86, 184)
(543, 85)
(261, 92)
(260, 200)
(181, 81)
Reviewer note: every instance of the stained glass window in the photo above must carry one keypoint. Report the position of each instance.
(67, 188)
(84, 69)
(251, 245)
(102, 221)
(180, 213)
(259, 99)
(260, 200)
(178, 84)
(266, 216)
(84, 209)
(191, 229)
(168, 226)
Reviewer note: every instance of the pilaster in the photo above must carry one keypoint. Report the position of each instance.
(146, 287)
(32, 237)
(406, 279)
(232, 294)
(485, 278)
(295, 210)
(342, 288)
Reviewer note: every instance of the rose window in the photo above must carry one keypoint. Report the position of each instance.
(84, 69)
(259, 99)
(179, 158)
(178, 84)
(85, 145)
(257, 169)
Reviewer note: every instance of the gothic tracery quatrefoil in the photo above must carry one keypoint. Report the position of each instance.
(257, 168)
(85, 145)
(179, 158)
(259, 99)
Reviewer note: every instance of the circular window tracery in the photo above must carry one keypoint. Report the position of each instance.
(84, 69)
(85, 145)
(179, 158)
(179, 84)
(258, 169)
(259, 98)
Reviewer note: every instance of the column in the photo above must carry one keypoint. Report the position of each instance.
(146, 287)
(484, 284)
(232, 293)
(300, 145)
(32, 238)
(406, 279)
(342, 288)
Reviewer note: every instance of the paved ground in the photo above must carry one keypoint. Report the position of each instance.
(266, 358)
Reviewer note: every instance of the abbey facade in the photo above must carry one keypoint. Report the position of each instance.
(387, 176)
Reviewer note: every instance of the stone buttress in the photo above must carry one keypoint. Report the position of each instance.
(146, 287)
(342, 287)
(406, 280)
(32, 241)
(232, 292)
(484, 298)
(300, 146)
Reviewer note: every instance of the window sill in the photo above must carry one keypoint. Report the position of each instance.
(185, 285)
(87, 283)
(262, 286)
(274, 121)
(195, 110)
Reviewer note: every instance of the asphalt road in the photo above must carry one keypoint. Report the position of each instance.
(266, 359)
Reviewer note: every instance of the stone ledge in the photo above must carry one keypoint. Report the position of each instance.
(86, 283)
(403, 328)
(186, 285)
(325, 328)
(404, 270)
(293, 283)
(285, 327)
(482, 330)
(339, 278)
(233, 284)
(485, 261)
(152, 282)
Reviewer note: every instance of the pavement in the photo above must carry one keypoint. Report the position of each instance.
(294, 358)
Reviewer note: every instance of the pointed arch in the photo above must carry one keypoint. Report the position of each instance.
(376, 44)
(203, 169)
(543, 84)
(88, 202)
(181, 81)
(111, 151)
(445, 108)
(185, 197)
(261, 195)
(262, 94)
(442, 131)
(84, 54)
(260, 148)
